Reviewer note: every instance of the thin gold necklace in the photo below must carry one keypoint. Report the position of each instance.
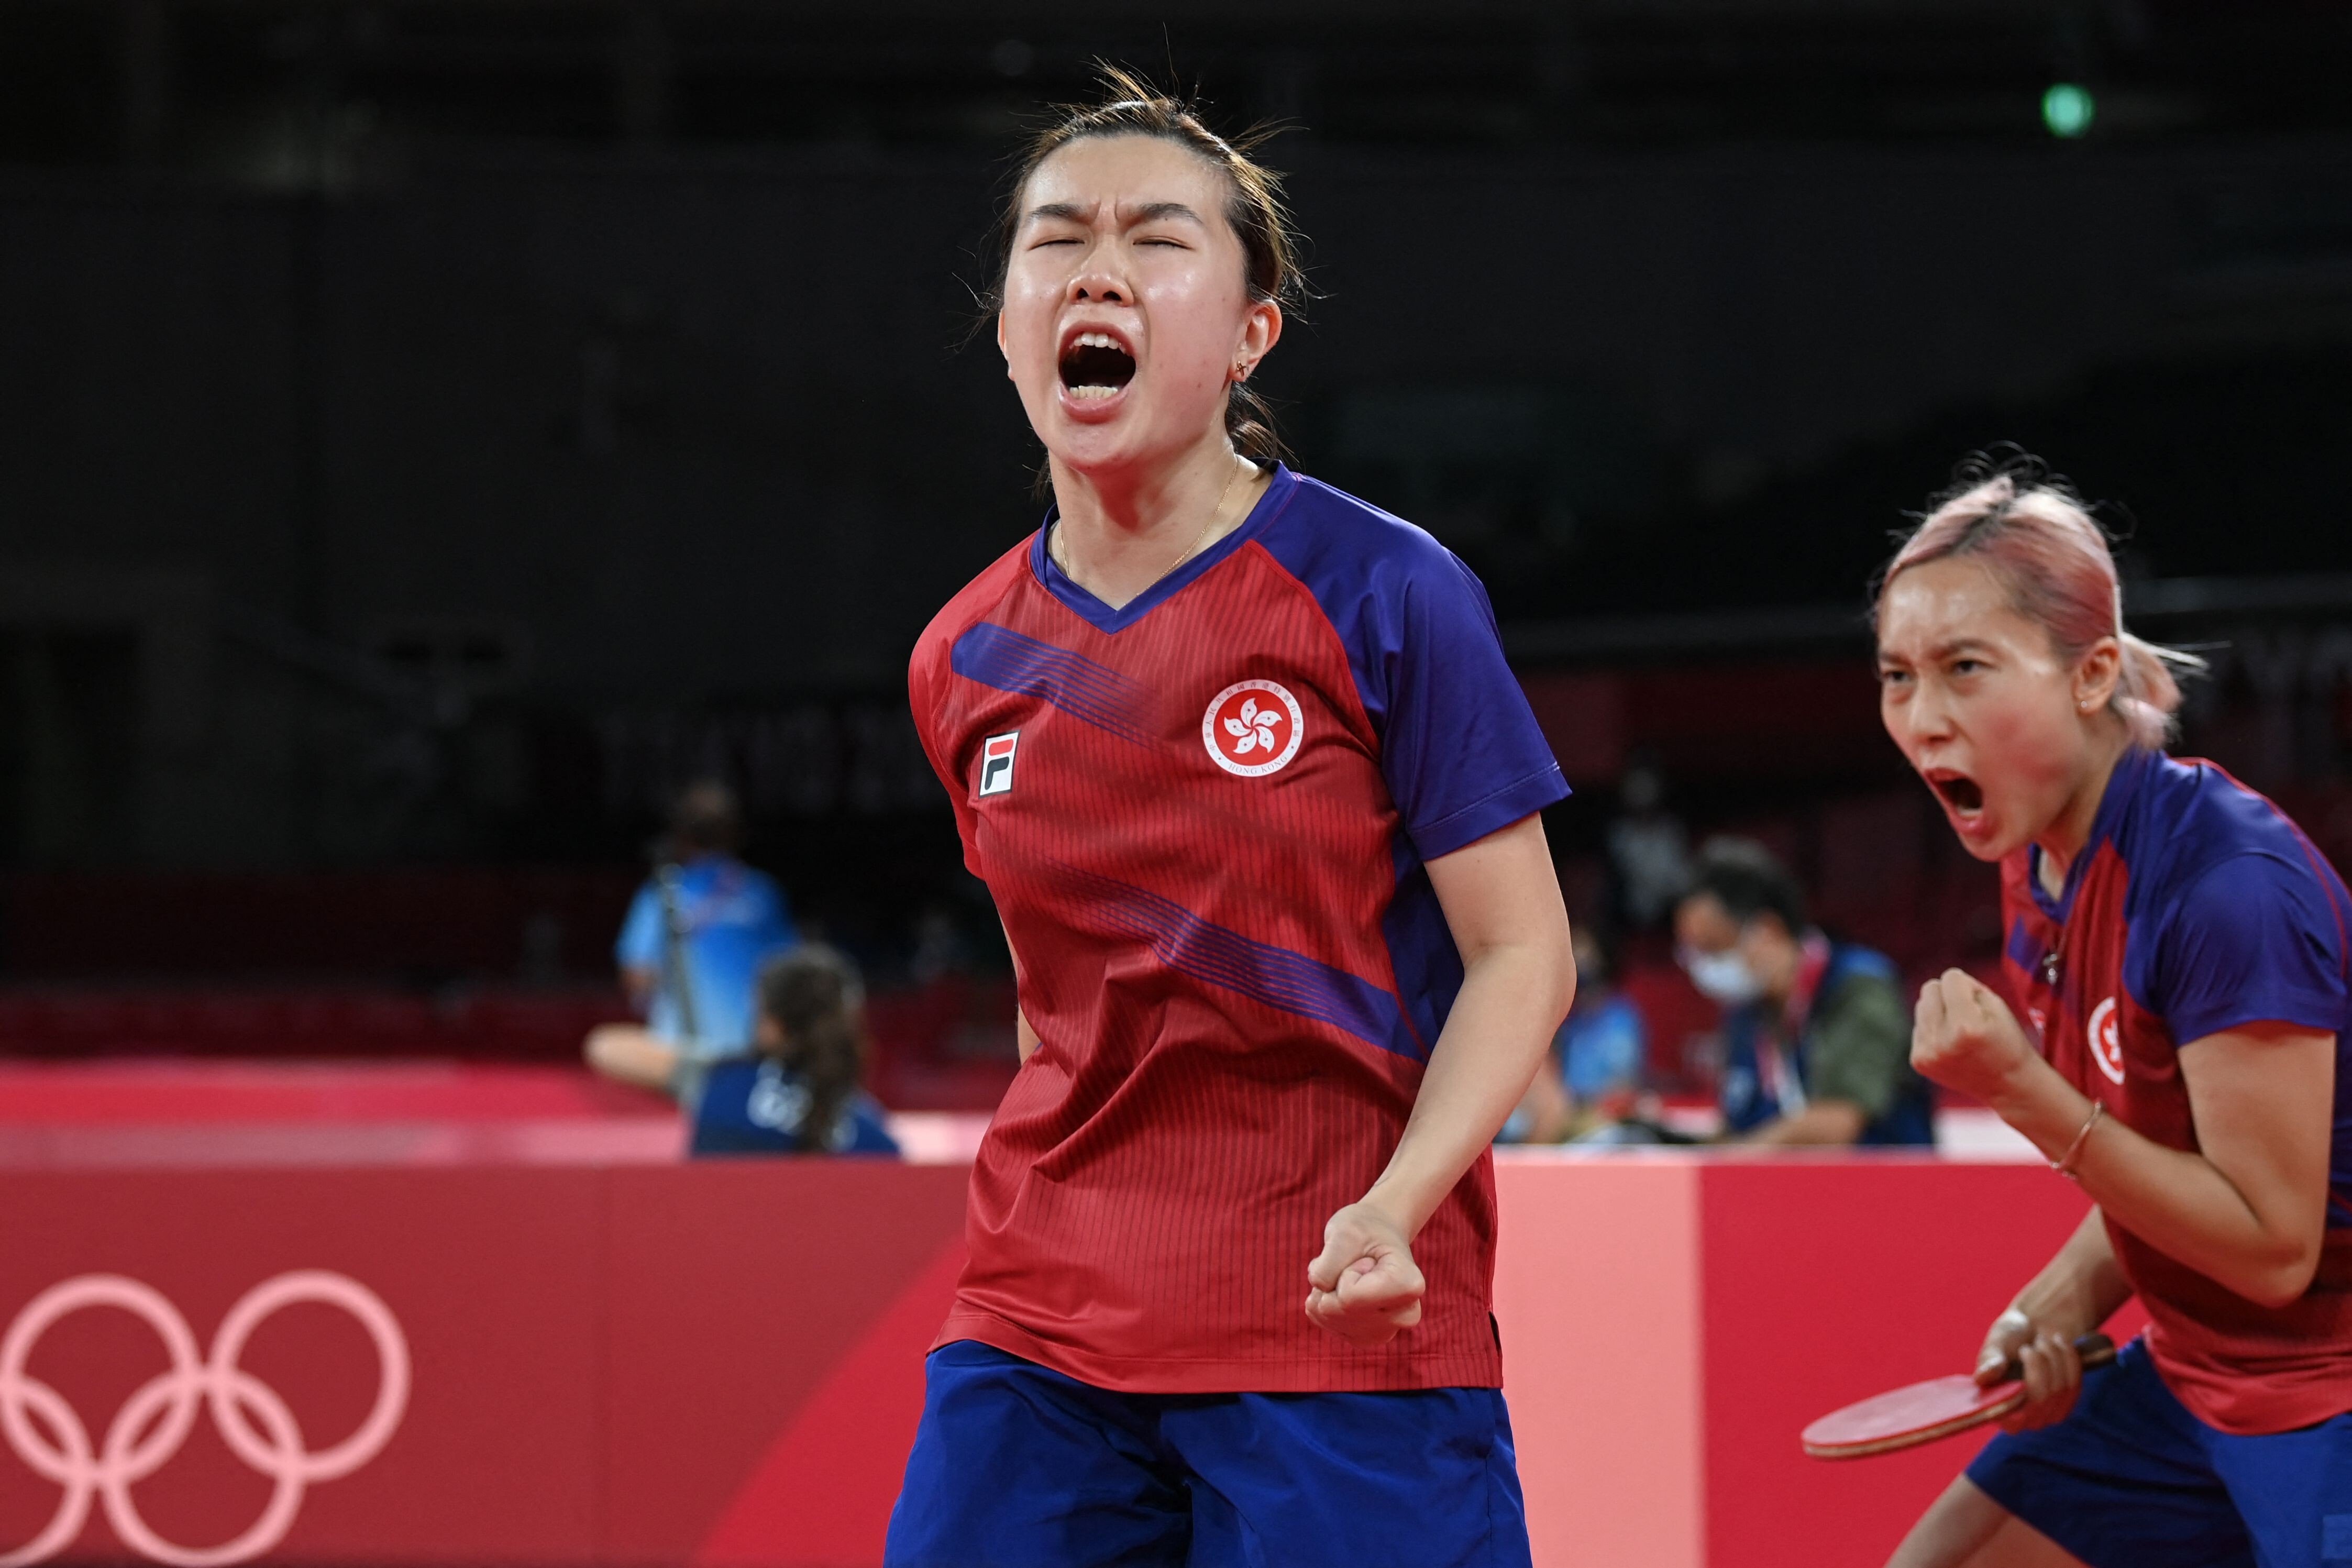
(1061, 555)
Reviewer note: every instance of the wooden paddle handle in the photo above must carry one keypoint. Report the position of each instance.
(2096, 1351)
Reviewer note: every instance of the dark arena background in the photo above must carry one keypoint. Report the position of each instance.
(435, 432)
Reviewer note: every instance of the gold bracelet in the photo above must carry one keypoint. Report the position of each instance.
(2065, 1163)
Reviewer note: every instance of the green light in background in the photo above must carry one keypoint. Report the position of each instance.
(2067, 109)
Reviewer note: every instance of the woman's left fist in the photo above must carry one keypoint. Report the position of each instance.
(1364, 1287)
(1965, 1038)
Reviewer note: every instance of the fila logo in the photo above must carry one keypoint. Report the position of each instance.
(996, 762)
(2106, 1048)
(1253, 728)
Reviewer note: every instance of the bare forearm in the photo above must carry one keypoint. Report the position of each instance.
(2246, 1208)
(1497, 1034)
(2175, 1200)
(1827, 1122)
(2081, 1287)
(628, 1054)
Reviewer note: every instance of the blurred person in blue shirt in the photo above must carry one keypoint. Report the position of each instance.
(1595, 1067)
(1817, 1038)
(797, 1092)
(692, 948)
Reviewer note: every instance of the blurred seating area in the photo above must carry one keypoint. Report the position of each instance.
(422, 926)
(488, 965)
(305, 1019)
(479, 965)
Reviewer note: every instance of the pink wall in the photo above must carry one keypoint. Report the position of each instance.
(1597, 1293)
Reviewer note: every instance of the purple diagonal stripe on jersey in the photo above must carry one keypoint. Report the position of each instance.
(1289, 981)
(2022, 948)
(994, 655)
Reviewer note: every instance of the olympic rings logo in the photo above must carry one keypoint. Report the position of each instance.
(152, 1424)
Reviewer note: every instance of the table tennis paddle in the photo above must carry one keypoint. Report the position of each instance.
(1923, 1412)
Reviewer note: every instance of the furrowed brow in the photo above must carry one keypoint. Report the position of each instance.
(1069, 210)
(1156, 212)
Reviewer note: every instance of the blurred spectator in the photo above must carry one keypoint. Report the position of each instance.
(692, 948)
(1817, 1041)
(798, 1093)
(1649, 851)
(940, 946)
(1595, 1067)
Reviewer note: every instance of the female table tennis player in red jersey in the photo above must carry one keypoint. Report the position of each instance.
(2178, 954)
(1239, 758)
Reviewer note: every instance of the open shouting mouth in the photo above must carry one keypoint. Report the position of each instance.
(1961, 794)
(1096, 367)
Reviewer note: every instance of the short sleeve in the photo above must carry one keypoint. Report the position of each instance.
(2255, 938)
(1459, 746)
(1860, 1047)
(639, 946)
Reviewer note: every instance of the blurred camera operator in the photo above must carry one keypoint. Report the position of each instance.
(691, 950)
(1817, 1039)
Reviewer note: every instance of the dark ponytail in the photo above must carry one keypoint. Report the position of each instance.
(1131, 106)
(816, 1001)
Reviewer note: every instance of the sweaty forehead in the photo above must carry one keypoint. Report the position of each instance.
(1946, 601)
(1125, 174)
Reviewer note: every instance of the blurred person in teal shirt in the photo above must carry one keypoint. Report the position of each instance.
(691, 950)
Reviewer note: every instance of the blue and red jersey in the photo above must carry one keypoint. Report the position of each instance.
(1205, 817)
(2198, 908)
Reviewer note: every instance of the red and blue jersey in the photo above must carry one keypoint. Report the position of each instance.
(2198, 908)
(1205, 817)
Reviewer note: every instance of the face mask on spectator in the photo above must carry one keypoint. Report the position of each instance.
(1723, 977)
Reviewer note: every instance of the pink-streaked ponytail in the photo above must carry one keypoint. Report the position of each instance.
(2033, 536)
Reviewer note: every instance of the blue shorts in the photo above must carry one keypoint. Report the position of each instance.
(1016, 1465)
(2131, 1479)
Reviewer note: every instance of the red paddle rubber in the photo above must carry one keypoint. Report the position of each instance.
(1924, 1412)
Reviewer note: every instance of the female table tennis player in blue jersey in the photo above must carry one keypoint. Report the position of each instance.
(2176, 952)
(1239, 758)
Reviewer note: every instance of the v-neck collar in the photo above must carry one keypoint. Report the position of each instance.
(2121, 785)
(1101, 617)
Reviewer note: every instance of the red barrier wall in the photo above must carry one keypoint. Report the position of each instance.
(721, 1363)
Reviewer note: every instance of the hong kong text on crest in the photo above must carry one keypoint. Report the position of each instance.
(1253, 728)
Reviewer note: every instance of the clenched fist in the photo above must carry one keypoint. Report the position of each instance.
(1365, 1287)
(1965, 1038)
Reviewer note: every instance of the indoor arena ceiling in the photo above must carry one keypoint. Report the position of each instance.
(187, 83)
